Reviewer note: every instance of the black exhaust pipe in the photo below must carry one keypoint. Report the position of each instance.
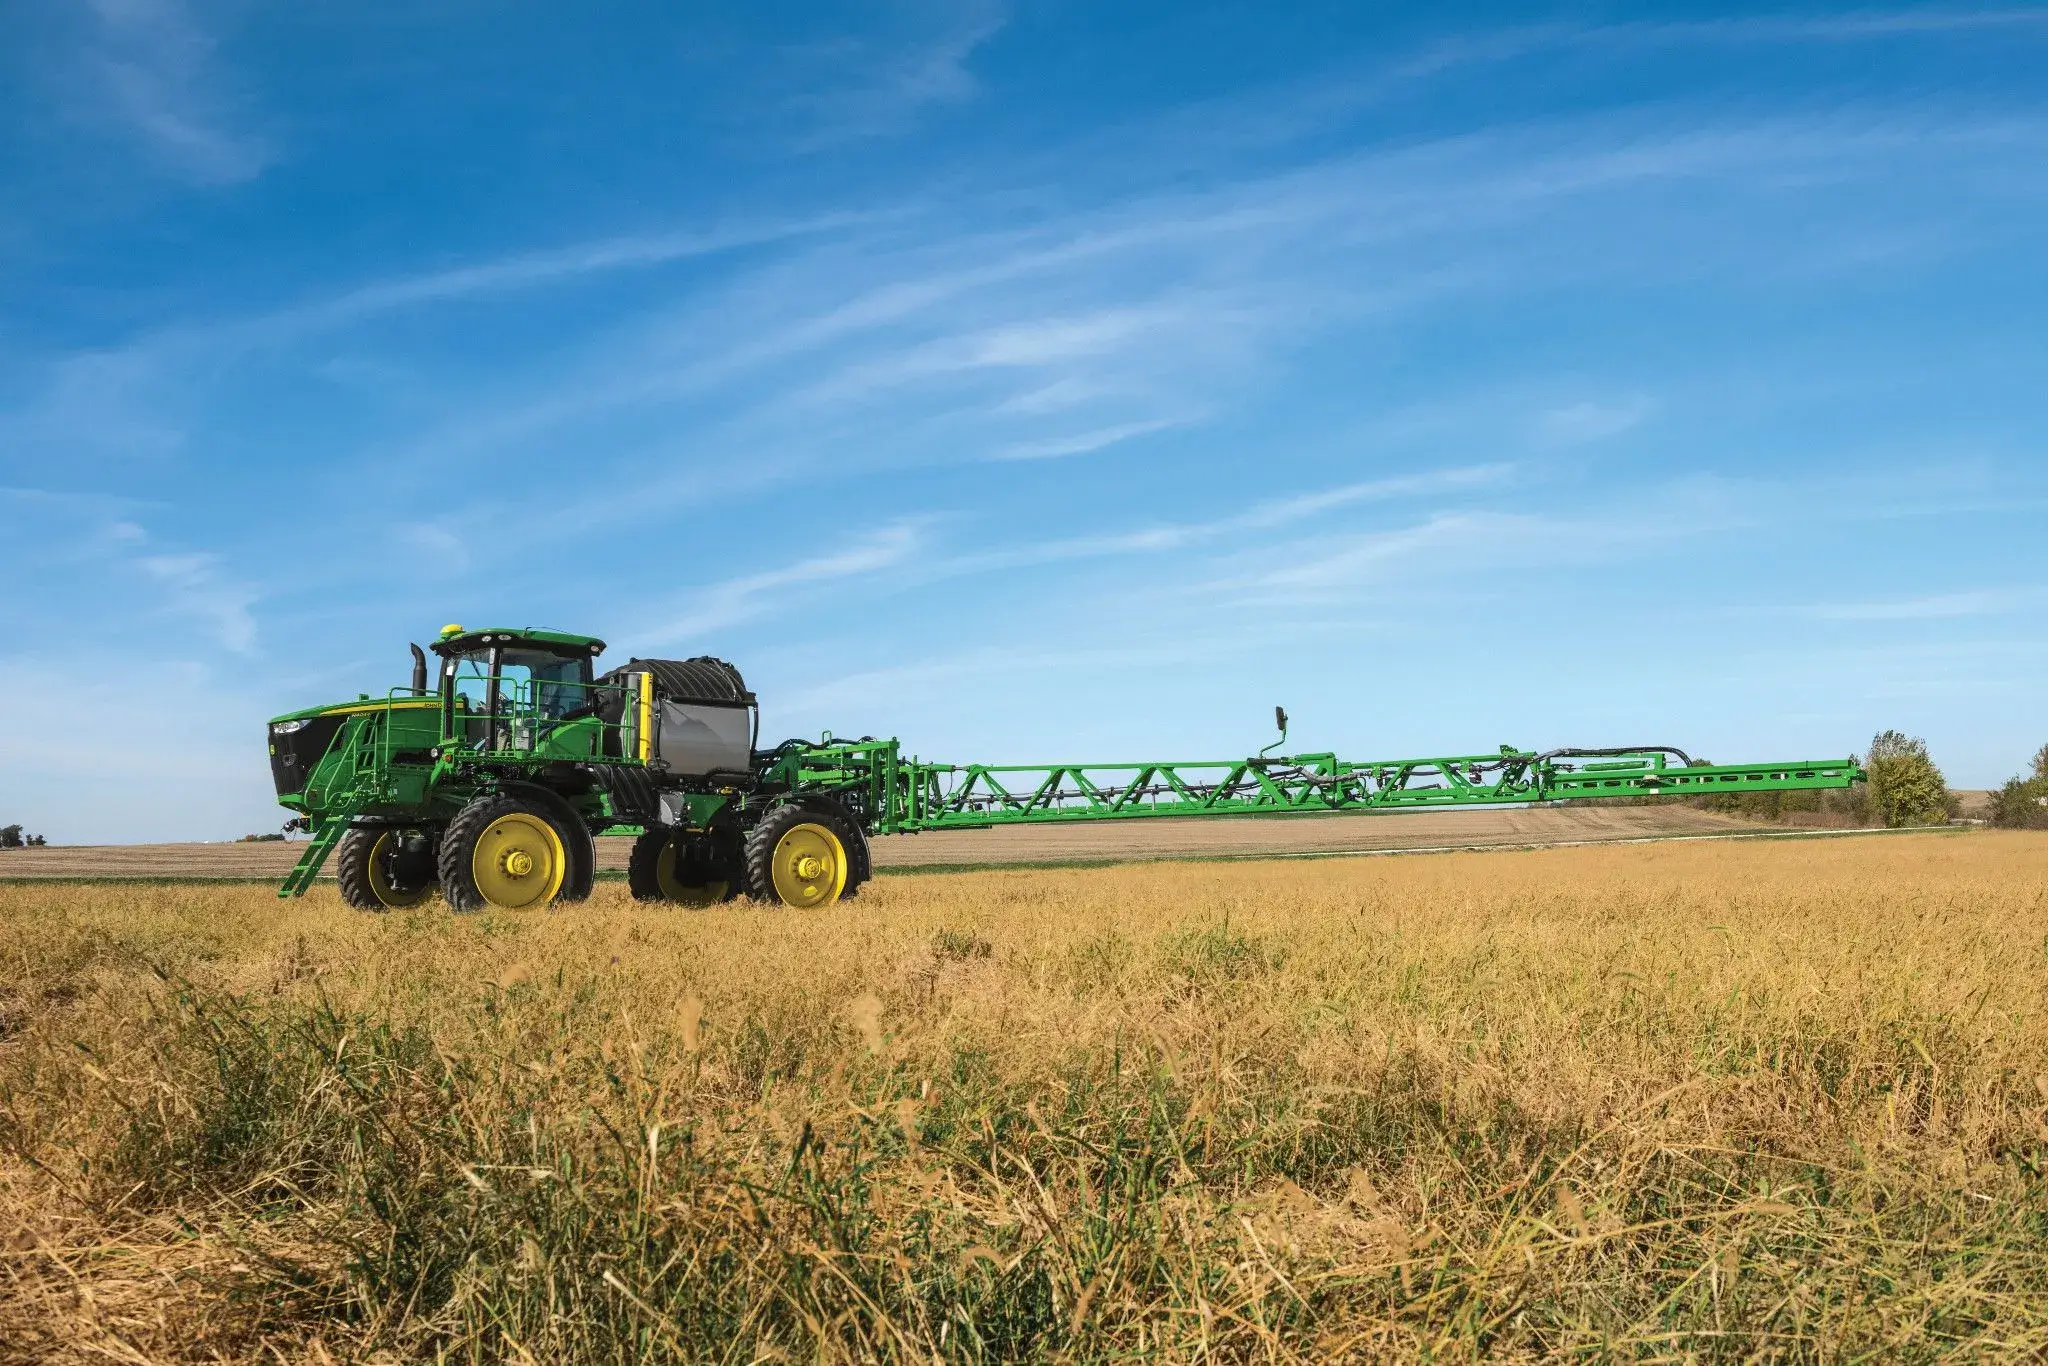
(419, 671)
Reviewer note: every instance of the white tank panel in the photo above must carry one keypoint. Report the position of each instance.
(699, 737)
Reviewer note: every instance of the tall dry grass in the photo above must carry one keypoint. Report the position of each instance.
(1780, 1099)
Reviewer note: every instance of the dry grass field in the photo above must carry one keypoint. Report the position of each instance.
(1779, 1099)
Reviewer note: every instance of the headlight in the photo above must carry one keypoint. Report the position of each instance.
(287, 727)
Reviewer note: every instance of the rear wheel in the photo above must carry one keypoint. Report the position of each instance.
(503, 852)
(859, 865)
(687, 868)
(581, 878)
(797, 857)
(385, 869)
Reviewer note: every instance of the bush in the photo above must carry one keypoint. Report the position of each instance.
(1823, 807)
(12, 838)
(2022, 804)
(1905, 786)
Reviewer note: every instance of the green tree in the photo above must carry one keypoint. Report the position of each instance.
(2019, 804)
(1905, 786)
(10, 837)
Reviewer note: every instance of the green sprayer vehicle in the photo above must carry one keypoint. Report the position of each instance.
(490, 782)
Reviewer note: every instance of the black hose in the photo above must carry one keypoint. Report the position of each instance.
(1684, 759)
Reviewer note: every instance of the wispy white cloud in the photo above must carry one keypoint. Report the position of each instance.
(947, 676)
(1982, 602)
(96, 539)
(1652, 520)
(156, 71)
(737, 599)
(1481, 539)
(1219, 534)
(1081, 443)
(1166, 303)
(1866, 25)
(1035, 343)
(878, 83)
(1431, 483)
(529, 269)
(438, 541)
(1573, 423)
(891, 550)
(137, 400)
(198, 586)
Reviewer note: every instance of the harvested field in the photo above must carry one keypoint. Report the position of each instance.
(1718, 1099)
(1107, 842)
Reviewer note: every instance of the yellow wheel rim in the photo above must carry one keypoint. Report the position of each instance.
(809, 867)
(519, 861)
(380, 876)
(688, 893)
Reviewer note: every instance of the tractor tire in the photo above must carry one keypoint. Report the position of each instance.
(385, 869)
(576, 838)
(684, 868)
(582, 851)
(504, 852)
(859, 863)
(797, 857)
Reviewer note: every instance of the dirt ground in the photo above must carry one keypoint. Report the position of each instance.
(1108, 842)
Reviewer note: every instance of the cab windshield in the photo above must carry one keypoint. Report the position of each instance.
(535, 681)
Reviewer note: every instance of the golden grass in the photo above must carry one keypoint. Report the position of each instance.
(1701, 1100)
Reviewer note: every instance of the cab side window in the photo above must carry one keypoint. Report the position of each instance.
(515, 688)
(472, 683)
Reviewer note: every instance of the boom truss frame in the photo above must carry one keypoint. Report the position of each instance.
(901, 795)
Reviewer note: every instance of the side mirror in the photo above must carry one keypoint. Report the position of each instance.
(1280, 720)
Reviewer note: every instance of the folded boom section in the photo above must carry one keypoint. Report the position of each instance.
(900, 795)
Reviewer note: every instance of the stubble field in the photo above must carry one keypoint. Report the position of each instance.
(1773, 1098)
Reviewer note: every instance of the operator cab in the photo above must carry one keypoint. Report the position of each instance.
(538, 677)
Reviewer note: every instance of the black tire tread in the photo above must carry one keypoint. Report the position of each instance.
(859, 862)
(762, 839)
(352, 869)
(641, 878)
(458, 845)
(581, 877)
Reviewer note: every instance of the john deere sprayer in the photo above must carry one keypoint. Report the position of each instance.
(489, 780)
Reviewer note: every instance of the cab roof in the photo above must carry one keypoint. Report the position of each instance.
(457, 640)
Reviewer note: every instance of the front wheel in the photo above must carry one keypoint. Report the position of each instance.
(796, 857)
(385, 869)
(502, 852)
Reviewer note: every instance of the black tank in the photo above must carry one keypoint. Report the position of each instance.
(702, 679)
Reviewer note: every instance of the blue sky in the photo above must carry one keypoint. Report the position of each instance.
(1031, 381)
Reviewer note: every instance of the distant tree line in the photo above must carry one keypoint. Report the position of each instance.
(1905, 788)
(12, 838)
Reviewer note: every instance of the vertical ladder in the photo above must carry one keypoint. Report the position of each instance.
(326, 835)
